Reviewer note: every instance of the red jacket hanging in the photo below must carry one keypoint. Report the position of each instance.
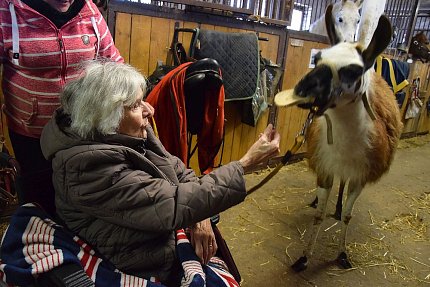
(168, 99)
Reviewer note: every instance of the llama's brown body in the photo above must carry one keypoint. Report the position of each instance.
(379, 143)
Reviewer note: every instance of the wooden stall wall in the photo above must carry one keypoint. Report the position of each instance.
(299, 46)
(144, 40)
(421, 123)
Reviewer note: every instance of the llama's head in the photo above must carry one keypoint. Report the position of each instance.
(346, 17)
(340, 73)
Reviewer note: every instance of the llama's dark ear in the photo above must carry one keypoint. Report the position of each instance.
(380, 40)
(329, 24)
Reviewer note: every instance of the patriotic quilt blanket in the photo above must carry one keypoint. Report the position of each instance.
(34, 244)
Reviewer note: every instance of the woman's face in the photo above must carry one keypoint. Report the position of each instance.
(60, 5)
(136, 118)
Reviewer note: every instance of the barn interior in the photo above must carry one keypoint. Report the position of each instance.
(389, 239)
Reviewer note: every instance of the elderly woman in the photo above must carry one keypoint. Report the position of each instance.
(119, 189)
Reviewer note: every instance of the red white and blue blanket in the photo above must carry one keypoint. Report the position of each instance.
(34, 244)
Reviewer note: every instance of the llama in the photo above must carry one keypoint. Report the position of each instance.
(371, 10)
(346, 17)
(357, 127)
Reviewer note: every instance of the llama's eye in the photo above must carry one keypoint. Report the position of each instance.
(358, 21)
(340, 19)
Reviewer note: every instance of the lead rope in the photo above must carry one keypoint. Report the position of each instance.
(298, 142)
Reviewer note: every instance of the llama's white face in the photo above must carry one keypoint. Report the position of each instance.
(346, 61)
(346, 18)
(337, 78)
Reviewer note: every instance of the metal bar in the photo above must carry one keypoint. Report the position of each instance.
(302, 18)
(320, 9)
(282, 10)
(116, 6)
(418, 23)
(287, 12)
(260, 7)
(412, 23)
(282, 4)
(233, 8)
(390, 4)
(404, 19)
(393, 7)
(303, 21)
(267, 9)
(396, 12)
(275, 9)
(313, 16)
(272, 8)
(252, 5)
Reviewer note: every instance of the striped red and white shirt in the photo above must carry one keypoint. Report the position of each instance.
(38, 59)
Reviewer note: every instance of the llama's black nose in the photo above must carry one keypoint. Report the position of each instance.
(316, 84)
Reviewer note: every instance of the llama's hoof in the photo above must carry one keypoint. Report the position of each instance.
(314, 203)
(301, 264)
(343, 261)
(337, 215)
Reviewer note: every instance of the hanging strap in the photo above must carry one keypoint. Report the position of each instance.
(367, 106)
(96, 30)
(154, 127)
(15, 35)
(2, 129)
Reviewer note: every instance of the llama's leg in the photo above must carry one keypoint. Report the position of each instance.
(354, 190)
(338, 213)
(323, 192)
(314, 203)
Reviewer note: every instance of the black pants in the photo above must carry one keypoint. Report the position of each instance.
(35, 181)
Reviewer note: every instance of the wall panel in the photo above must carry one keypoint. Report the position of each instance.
(290, 120)
(140, 40)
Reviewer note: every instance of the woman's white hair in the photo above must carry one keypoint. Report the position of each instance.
(96, 100)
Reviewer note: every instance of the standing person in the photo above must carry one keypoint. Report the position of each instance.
(42, 43)
(120, 190)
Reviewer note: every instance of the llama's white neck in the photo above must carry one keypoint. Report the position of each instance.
(350, 111)
(351, 127)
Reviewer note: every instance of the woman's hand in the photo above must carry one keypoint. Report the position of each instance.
(264, 148)
(150, 109)
(203, 240)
